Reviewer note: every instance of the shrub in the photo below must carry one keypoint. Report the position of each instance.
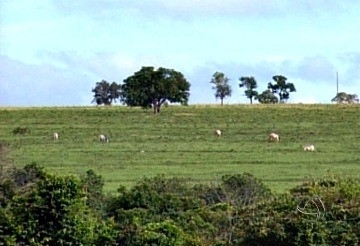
(21, 130)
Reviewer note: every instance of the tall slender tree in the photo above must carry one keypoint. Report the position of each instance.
(221, 86)
(250, 84)
(281, 87)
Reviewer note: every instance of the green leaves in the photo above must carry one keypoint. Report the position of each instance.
(151, 88)
(105, 93)
(275, 221)
(221, 86)
(239, 210)
(281, 87)
(164, 233)
(267, 97)
(50, 211)
(343, 97)
(250, 84)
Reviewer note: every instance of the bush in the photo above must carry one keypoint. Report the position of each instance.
(21, 130)
(50, 211)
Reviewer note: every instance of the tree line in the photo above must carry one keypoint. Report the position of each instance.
(279, 87)
(146, 88)
(38, 208)
(151, 88)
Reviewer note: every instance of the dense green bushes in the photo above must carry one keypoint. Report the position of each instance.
(46, 210)
(42, 209)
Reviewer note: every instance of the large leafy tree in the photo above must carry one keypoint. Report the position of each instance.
(343, 97)
(267, 97)
(221, 86)
(151, 88)
(250, 84)
(105, 93)
(281, 87)
(44, 209)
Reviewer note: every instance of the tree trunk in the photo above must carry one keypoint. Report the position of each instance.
(250, 100)
(222, 100)
(156, 106)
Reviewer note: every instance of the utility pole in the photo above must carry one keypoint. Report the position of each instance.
(337, 86)
(337, 83)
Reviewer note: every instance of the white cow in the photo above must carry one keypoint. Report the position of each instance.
(273, 137)
(103, 138)
(309, 147)
(56, 136)
(217, 133)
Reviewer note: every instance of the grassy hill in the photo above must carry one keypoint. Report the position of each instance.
(180, 141)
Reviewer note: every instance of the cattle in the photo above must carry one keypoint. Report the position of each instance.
(103, 138)
(55, 136)
(273, 137)
(309, 147)
(217, 133)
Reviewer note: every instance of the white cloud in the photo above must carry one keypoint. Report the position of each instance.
(316, 68)
(41, 85)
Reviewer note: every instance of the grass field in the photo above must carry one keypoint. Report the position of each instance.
(180, 141)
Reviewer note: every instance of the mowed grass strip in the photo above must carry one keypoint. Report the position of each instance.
(180, 141)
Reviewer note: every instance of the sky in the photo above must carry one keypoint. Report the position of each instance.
(53, 52)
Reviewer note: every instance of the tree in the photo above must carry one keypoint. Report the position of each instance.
(151, 88)
(93, 186)
(250, 84)
(275, 220)
(50, 210)
(44, 209)
(267, 97)
(221, 86)
(165, 233)
(343, 97)
(281, 87)
(106, 93)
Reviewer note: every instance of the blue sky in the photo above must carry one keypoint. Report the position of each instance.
(53, 52)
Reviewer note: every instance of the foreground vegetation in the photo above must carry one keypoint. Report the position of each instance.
(180, 142)
(37, 208)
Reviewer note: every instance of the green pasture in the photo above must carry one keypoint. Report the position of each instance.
(180, 141)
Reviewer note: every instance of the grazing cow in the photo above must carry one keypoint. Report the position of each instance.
(309, 147)
(56, 136)
(217, 133)
(103, 138)
(273, 137)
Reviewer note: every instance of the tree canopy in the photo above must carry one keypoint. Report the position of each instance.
(151, 88)
(281, 87)
(221, 86)
(38, 208)
(343, 97)
(267, 97)
(105, 93)
(250, 84)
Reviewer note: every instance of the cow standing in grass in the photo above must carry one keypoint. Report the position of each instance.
(103, 138)
(217, 133)
(273, 137)
(309, 147)
(55, 136)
